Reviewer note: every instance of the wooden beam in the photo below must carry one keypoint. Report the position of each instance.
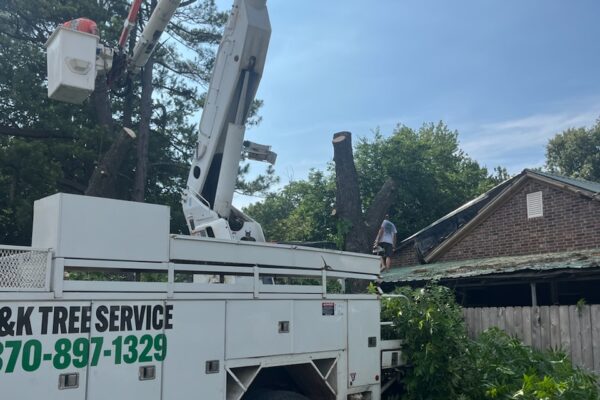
(534, 302)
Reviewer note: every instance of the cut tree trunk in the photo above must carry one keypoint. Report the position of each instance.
(103, 180)
(348, 202)
(359, 229)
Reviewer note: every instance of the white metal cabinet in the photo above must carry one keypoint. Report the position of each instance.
(253, 328)
(319, 325)
(87, 227)
(197, 337)
(363, 342)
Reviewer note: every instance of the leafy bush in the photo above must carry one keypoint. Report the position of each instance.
(510, 370)
(435, 341)
(446, 364)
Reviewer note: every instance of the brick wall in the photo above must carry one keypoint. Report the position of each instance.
(407, 256)
(570, 222)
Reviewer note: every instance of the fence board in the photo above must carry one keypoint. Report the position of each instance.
(585, 332)
(518, 322)
(554, 328)
(565, 330)
(481, 321)
(509, 321)
(469, 321)
(536, 331)
(527, 325)
(485, 318)
(575, 329)
(493, 318)
(474, 318)
(500, 318)
(595, 317)
(545, 327)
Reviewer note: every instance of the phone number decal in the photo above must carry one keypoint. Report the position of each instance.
(81, 352)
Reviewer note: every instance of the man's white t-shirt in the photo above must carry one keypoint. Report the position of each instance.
(389, 230)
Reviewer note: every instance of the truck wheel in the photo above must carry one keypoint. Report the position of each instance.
(277, 395)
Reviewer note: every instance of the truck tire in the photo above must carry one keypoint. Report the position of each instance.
(277, 395)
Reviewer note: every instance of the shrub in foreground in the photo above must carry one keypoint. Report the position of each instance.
(446, 364)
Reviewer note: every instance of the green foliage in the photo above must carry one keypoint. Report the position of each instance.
(580, 304)
(576, 153)
(300, 211)
(433, 174)
(435, 343)
(434, 177)
(445, 364)
(509, 370)
(34, 168)
(260, 185)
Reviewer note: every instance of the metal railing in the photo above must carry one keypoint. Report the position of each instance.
(81, 275)
(24, 269)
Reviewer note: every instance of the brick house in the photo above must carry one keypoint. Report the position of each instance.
(535, 236)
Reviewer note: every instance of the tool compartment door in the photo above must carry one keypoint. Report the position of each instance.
(363, 342)
(197, 338)
(130, 337)
(37, 342)
(258, 328)
(319, 325)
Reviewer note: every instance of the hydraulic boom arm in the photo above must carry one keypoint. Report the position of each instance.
(211, 182)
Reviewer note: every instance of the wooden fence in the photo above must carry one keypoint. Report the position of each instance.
(574, 329)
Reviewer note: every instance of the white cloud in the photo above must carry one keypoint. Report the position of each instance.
(520, 143)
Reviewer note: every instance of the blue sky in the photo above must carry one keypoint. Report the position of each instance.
(507, 74)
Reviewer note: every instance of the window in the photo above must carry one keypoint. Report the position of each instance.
(535, 206)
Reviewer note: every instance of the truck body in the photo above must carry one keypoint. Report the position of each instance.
(105, 305)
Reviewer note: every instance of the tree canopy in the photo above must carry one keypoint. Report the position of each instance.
(301, 211)
(576, 153)
(48, 146)
(433, 177)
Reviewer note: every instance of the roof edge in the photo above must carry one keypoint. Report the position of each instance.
(562, 185)
(483, 213)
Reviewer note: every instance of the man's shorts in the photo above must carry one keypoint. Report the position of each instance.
(388, 249)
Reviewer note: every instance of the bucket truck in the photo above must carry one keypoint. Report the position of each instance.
(74, 326)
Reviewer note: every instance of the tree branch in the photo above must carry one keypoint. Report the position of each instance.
(379, 207)
(186, 3)
(34, 133)
(189, 73)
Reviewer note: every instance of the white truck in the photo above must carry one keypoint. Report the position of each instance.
(106, 304)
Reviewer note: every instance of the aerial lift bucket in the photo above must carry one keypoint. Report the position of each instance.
(71, 57)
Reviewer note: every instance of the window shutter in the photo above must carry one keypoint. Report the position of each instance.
(535, 206)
